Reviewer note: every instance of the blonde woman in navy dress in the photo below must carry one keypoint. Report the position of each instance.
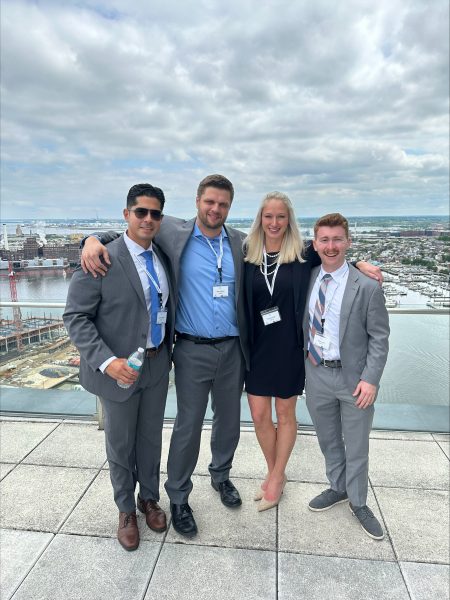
(277, 271)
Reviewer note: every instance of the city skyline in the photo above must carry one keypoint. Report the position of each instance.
(343, 107)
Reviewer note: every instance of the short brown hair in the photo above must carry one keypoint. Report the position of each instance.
(217, 181)
(331, 220)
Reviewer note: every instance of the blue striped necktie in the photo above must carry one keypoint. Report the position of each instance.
(156, 330)
(315, 353)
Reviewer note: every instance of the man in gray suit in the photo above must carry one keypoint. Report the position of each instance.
(346, 330)
(109, 318)
(211, 341)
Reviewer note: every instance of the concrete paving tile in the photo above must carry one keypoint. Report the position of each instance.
(5, 468)
(307, 462)
(18, 552)
(335, 532)
(418, 523)
(40, 498)
(75, 567)
(71, 445)
(219, 573)
(408, 464)
(248, 459)
(314, 577)
(18, 438)
(96, 513)
(427, 581)
(420, 436)
(442, 437)
(242, 527)
(445, 446)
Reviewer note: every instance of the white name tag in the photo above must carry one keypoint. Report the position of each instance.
(161, 317)
(271, 315)
(322, 341)
(220, 291)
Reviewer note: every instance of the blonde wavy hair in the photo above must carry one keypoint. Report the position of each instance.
(292, 246)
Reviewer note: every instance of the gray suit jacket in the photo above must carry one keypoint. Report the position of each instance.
(172, 238)
(107, 316)
(363, 328)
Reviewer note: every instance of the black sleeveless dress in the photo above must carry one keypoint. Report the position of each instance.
(276, 358)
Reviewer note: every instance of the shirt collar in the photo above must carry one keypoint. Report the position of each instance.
(134, 249)
(337, 275)
(198, 233)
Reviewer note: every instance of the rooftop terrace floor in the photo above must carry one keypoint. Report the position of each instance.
(59, 521)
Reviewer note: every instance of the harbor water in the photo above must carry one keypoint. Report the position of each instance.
(417, 371)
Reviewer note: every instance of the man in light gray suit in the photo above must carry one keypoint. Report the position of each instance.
(211, 340)
(346, 330)
(109, 318)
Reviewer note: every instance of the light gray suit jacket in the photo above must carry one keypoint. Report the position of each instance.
(108, 316)
(172, 238)
(363, 328)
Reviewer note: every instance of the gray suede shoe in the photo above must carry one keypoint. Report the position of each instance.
(368, 521)
(327, 499)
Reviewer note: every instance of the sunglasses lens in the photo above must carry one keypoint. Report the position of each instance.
(141, 213)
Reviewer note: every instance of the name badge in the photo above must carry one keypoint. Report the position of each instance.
(161, 316)
(271, 315)
(220, 291)
(322, 341)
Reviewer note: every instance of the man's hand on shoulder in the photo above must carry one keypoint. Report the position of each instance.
(372, 271)
(366, 393)
(90, 257)
(121, 372)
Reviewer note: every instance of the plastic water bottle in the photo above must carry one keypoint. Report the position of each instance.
(135, 361)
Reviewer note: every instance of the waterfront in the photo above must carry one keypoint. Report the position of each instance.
(416, 373)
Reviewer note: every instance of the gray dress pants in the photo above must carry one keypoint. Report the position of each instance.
(133, 434)
(342, 430)
(199, 370)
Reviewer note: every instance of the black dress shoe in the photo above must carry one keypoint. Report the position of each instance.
(228, 493)
(182, 520)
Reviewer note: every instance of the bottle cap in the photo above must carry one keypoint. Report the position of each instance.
(140, 349)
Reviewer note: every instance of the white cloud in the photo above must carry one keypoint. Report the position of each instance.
(344, 106)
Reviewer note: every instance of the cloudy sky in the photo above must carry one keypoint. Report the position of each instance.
(342, 105)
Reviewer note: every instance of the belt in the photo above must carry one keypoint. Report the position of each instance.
(332, 364)
(152, 352)
(201, 340)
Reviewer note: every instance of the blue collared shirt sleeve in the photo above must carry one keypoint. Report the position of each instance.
(198, 312)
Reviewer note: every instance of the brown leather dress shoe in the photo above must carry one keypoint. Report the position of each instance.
(154, 514)
(128, 532)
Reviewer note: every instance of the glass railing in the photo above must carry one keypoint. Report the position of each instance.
(39, 370)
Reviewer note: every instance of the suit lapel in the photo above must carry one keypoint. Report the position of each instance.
(236, 251)
(351, 289)
(130, 271)
(179, 243)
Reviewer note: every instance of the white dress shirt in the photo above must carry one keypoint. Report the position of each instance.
(135, 250)
(332, 312)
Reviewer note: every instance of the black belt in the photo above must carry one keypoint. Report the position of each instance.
(332, 364)
(201, 340)
(152, 352)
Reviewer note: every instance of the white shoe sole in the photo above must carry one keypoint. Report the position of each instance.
(327, 507)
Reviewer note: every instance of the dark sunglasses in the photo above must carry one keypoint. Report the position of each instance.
(141, 213)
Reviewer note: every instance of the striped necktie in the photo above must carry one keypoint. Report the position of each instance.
(315, 352)
(155, 330)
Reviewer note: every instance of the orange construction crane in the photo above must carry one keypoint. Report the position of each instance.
(17, 314)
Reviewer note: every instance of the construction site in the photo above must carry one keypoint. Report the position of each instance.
(35, 351)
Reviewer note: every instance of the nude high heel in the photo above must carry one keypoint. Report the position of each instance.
(259, 494)
(267, 504)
